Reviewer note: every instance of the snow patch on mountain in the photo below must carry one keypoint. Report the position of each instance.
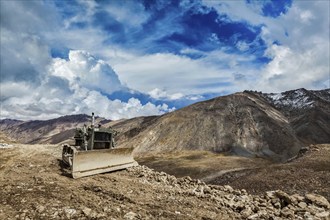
(297, 99)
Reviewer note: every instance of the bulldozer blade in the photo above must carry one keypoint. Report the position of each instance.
(86, 163)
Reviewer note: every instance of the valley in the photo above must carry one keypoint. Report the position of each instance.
(242, 148)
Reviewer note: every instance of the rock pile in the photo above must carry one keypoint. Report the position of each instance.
(239, 204)
(30, 192)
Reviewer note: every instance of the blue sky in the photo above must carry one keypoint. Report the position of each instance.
(123, 59)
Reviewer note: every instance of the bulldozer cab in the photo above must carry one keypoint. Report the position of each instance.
(94, 138)
(102, 139)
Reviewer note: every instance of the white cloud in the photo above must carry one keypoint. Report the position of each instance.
(130, 13)
(238, 10)
(38, 104)
(87, 71)
(116, 109)
(14, 89)
(302, 59)
(242, 46)
(162, 94)
(28, 17)
(23, 56)
(84, 16)
(34, 85)
(291, 70)
(306, 16)
(70, 87)
(177, 74)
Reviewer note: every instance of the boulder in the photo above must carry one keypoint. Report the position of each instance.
(317, 200)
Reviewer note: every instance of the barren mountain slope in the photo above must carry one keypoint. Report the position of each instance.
(34, 185)
(242, 123)
(5, 139)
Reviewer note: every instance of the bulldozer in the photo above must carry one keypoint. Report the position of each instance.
(94, 152)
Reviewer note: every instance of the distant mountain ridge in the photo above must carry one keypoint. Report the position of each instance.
(248, 123)
(51, 131)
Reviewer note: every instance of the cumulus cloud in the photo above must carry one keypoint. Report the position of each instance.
(85, 70)
(289, 69)
(162, 56)
(302, 58)
(117, 109)
(297, 44)
(76, 85)
(34, 85)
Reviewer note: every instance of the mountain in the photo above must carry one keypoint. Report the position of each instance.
(249, 123)
(49, 131)
(308, 112)
(242, 123)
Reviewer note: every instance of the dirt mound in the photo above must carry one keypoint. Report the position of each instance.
(34, 186)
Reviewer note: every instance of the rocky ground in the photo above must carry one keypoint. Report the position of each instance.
(310, 172)
(34, 185)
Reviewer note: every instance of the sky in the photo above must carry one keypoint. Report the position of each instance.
(124, 59)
